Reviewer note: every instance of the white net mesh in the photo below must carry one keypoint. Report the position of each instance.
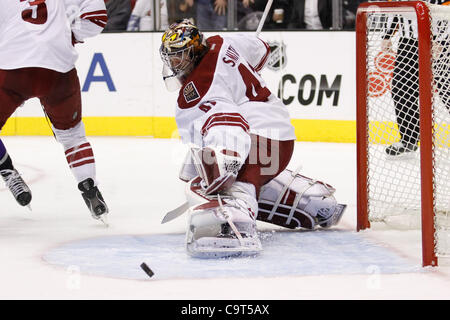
(393, 119)
(441, 120)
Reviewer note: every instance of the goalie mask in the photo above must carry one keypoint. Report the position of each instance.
(182, 46)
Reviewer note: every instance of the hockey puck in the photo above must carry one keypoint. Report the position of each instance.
(146, 269)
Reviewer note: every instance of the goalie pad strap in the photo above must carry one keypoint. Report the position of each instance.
(282, 193)
(284, 216)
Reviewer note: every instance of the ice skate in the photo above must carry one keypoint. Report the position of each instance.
(94, 200)
(221, 230)
(17, 186)
(400, 148)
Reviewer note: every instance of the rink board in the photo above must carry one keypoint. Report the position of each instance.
(306, 253)
(123, 93)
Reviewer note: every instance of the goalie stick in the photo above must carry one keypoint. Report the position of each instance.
(264, 16)
(175, 213)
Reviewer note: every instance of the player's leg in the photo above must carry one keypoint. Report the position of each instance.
(12, 178)
(63, 107)
(267, 159)
(405, 94)
(9, 101)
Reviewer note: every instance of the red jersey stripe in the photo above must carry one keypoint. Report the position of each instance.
(261, 64)
(225, 116)
(98, 18)
(230, 124)
(79, 164)
(87, 153)
(98, 12)
(84, 145)
(97, 22)
(225, 119)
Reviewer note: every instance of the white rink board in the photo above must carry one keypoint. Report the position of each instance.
(133, 63)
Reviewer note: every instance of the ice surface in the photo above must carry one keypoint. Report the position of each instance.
(284, 254)
(58, 251)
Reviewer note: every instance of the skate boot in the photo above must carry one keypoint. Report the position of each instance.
(17, 186)
(400, 148)
(93, 199)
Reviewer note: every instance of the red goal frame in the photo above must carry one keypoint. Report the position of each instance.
(426, 127)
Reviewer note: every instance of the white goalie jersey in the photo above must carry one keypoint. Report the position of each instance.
(30, 31)
(225, 96)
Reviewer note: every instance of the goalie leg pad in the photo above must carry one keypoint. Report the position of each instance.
(295, 201)
(220, 227)
(217, 231)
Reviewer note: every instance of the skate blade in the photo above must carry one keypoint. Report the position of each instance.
(104, 218)
(406, 156)
(213, 248)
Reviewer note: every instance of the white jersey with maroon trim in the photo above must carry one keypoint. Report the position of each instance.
(38, 33)
(225, 92)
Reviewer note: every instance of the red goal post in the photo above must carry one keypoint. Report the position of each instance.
(377, 189)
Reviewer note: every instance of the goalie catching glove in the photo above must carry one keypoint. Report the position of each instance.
(217, 167)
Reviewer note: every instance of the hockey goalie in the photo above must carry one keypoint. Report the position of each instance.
(241, 141)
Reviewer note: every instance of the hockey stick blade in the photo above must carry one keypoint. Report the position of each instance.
(175, 213)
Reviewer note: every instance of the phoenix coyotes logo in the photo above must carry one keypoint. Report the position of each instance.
(190, 92)
(277, 58)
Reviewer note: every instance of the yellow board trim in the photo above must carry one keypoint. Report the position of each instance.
(325, 130)
(343, 131)
(386, 132)
(157, 127)
(165, 127)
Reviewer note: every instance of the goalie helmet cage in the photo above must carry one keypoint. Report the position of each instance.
(420, 182)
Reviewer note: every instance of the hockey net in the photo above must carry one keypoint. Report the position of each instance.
(403, 94)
